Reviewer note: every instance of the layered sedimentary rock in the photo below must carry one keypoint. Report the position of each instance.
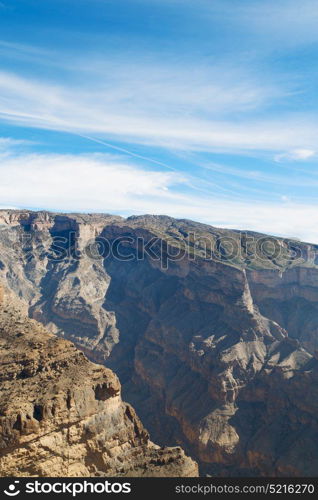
(212, 332)
(61, 415)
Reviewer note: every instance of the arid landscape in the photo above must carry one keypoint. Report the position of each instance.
(158, 247)
(212, 333)
(61, 415)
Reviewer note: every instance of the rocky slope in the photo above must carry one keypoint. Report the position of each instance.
(61, 415)
(212, 332)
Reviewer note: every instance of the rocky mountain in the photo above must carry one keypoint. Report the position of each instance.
(212, 332)
(61, 415)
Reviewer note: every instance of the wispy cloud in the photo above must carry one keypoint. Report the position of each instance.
(278, 177)
(217, 98)
(7, 144)
(296, 155)
(104, 183)
(149, 111)
(286, 21)
(165, 98)
(95, 182)
(282, 24)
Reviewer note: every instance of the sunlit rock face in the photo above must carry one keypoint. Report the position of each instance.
(212, 332)
(61, 415)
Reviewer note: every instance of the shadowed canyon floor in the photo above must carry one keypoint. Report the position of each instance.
(213, 333)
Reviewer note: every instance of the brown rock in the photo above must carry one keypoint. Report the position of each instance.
(209, 350)
(61, 415)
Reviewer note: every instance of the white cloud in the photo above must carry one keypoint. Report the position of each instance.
(71, 182)
(275, 24)
(296, 177)
(103, 183)
(7, 143)
(193, 104)
(163, 97)
(155, 110)
(285, 21)
(296, 155)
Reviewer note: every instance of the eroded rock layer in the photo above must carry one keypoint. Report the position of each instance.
(212, 332)
(61, 415)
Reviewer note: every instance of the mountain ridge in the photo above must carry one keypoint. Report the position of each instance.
(198, 342)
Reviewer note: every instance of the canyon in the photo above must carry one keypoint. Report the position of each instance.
(61, 415)
(212, 332)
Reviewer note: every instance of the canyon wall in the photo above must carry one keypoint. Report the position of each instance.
(61, 415)
(212, 332)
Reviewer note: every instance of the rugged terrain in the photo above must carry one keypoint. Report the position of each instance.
(212, 332)
(61, 415)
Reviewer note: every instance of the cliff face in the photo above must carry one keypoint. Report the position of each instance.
(61, 415)
(214, 351)
(277, 416)
(291, 299)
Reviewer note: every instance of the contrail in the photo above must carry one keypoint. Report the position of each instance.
(157, 162)
(126, 151)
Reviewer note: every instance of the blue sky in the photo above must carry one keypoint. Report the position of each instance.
(197, 109)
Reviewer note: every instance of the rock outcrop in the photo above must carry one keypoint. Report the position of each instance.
(61, 415)
(212, 332)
